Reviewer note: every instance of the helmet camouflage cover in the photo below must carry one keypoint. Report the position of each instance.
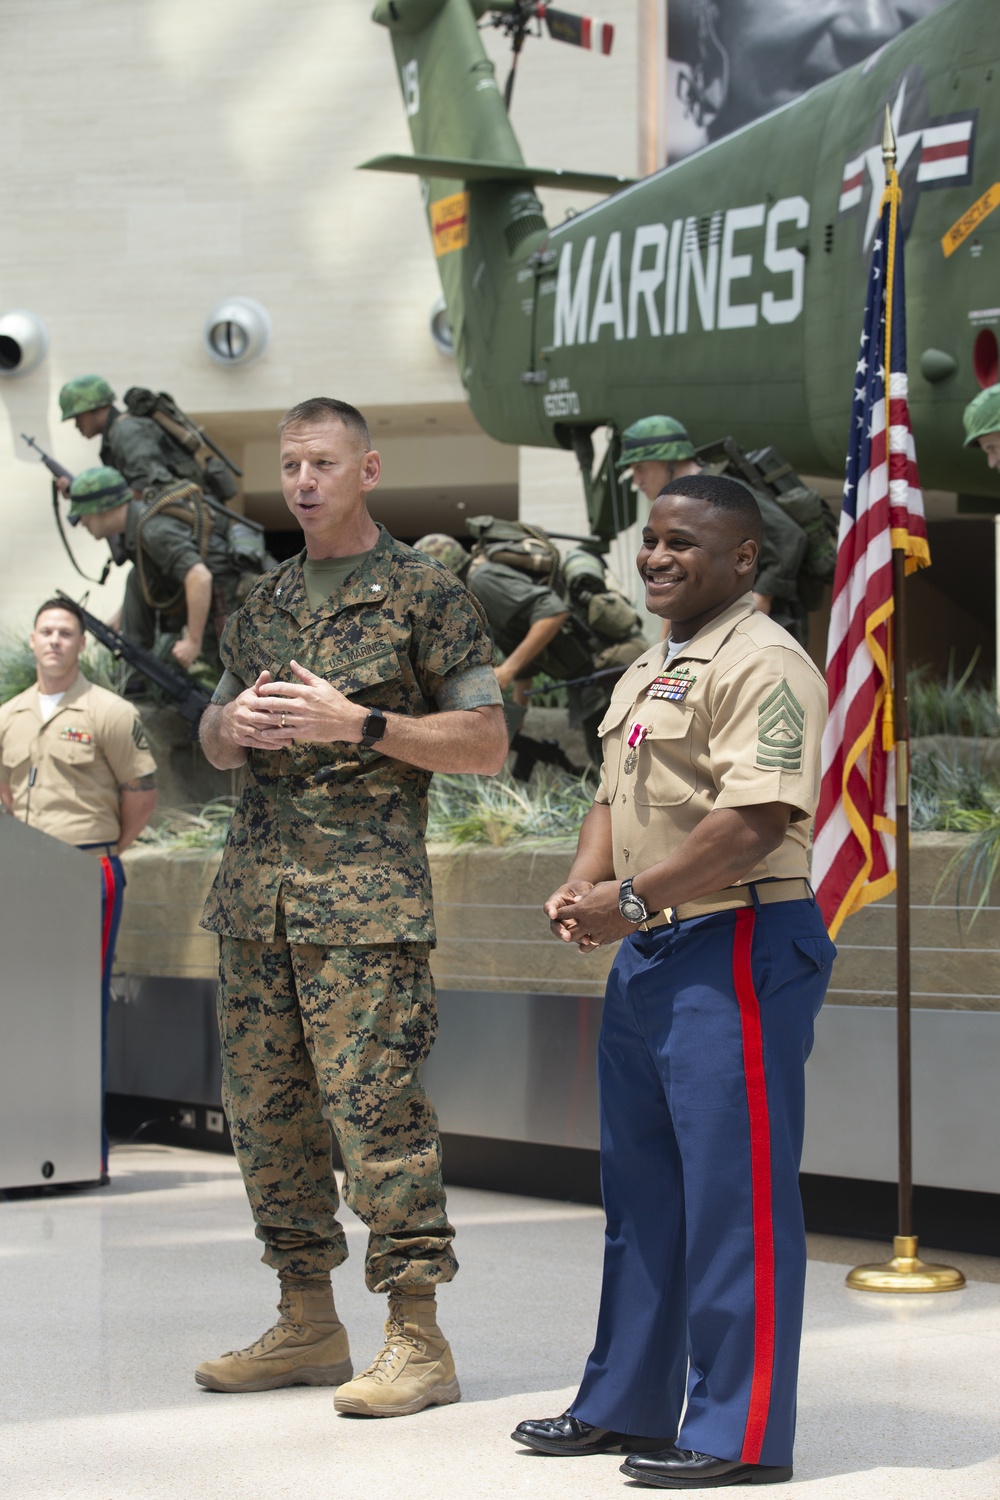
(97, 490)
(982, 415)
(655, 439)
(85, 393)
(445, 548)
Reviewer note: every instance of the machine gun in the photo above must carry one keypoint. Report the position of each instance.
(591, 677)
(189, 696)
(529, 752)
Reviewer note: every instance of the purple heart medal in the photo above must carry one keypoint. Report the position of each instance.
(637, 733)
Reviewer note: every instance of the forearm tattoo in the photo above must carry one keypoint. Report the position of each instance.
(144, 784)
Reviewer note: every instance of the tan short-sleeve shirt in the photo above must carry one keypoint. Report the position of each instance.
(736, 720)
(82, 756)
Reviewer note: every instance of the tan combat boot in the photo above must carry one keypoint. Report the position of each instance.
(307, 1346)
(414, 1370)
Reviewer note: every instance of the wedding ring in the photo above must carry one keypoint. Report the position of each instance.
(282, 721)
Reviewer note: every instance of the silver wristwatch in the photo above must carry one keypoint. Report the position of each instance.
(631, 904)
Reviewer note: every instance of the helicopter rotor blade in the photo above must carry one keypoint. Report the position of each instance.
(578, 31)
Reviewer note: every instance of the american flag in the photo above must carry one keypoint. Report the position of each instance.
(854, 844)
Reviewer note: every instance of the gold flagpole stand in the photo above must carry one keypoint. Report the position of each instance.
(905, 1272)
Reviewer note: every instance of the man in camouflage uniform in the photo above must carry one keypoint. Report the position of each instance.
(982, 424)
(137, 447)
(185, 578)
(658, 450)
(352, 672)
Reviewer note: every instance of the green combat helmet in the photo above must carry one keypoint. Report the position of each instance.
(655, 439)
(97, 490)
(85, 393)
(982, 415)
(445, 549)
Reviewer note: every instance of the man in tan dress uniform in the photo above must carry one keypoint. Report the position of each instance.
(695, 853)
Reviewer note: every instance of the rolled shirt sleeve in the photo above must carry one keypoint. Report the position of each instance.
(476, 687)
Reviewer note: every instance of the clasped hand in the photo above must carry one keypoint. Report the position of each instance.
(272, 715)
(586, 914)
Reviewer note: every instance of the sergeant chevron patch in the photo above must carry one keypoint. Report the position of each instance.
(780, 722)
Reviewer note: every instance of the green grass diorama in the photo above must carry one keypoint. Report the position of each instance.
(948, 793)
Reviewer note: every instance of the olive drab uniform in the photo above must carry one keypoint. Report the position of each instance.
(513, 603)
(783, 550)
(323, 905)
(139, 448)
(708, 1020)
(163, 549)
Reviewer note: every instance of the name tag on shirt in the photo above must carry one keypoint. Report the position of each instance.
(674, 686)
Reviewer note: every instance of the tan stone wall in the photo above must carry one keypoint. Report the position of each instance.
(163, 154)
(493, 935)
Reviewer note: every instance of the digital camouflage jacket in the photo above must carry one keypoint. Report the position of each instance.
(348, 854)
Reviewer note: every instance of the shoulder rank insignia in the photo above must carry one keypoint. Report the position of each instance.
(780, 730)
(77, 736)
(672, 685)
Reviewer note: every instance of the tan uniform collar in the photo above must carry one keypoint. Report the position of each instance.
(701, 647)
(76, 690)
(710, 639)
(368, 584)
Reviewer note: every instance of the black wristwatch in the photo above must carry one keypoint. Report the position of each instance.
(631, 904)
(373, 729)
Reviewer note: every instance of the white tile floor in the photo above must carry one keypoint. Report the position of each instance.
(108, 1300)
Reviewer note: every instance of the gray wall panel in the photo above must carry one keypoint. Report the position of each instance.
(50, 1009)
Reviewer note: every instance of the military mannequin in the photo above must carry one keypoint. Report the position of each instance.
(982, 424)
(537, 630)
(658, 450)
(137, 447)
(185, 578)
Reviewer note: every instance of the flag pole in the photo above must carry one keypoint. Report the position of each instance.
(905, 1272)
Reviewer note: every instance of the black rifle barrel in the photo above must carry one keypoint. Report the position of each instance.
(190, 697)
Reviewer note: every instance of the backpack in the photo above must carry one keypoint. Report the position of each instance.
(219, 472)
(765, 469)
(519, 545)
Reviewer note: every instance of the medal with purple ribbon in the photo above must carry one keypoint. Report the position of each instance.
(637, 733)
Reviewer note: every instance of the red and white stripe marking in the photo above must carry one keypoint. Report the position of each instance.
(945, 151)
(851, 187)
(597, 35)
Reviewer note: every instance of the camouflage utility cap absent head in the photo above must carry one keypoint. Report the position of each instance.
(85, 393)
(97, 490)
(655, 440)
(444, 548)
(982, 415)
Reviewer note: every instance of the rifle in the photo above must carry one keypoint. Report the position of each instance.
(189, 696)
(529, 751)
(548, 687)
(54, 467)
(59, 471)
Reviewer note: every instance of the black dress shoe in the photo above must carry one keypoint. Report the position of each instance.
(684, 1469)
(569, 1436)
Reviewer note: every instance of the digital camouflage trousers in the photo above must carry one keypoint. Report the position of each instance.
(316, 1039)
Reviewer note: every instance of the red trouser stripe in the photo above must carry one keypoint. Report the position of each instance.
(760, 1177)
(109, 906)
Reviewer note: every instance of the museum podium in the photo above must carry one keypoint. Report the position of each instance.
(50, 1011)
